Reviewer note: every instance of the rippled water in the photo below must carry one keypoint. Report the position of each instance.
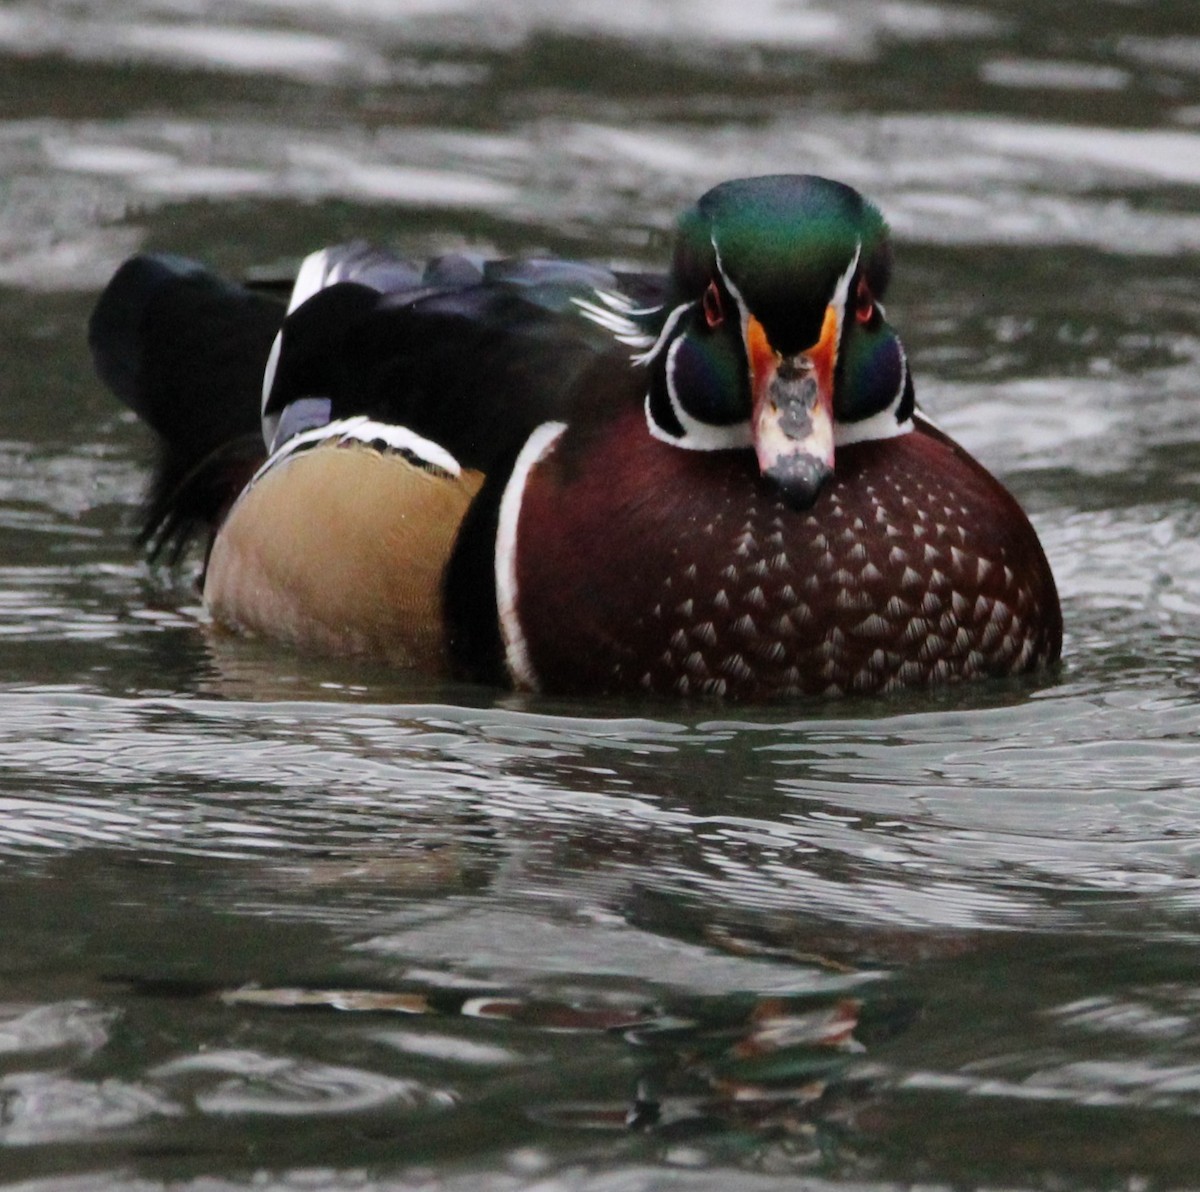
(275, 922)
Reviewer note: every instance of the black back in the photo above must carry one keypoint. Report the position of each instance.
(471, 354)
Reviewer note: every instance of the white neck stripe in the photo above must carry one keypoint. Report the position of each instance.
(697, 435)
(516, 649)
(878, 426)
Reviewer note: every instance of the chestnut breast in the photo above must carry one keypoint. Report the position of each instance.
(642, 566)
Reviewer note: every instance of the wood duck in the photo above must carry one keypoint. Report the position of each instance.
(564, 477)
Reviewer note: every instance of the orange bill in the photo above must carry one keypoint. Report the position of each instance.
(792, 413)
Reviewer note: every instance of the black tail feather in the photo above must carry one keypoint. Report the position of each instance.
(181, 507)
(186, 351)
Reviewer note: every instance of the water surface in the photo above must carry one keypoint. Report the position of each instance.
(276, 922)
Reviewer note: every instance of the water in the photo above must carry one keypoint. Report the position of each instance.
(272, 922)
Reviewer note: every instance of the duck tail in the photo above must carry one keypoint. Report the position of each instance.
(186, 352)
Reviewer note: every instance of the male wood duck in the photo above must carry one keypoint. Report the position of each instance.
(563, 477)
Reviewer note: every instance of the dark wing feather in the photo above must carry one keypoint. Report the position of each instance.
(468, 352)
(472, 354)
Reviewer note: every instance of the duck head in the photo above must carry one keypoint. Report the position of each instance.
(773, 335)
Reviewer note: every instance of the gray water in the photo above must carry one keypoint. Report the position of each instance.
(270, 922)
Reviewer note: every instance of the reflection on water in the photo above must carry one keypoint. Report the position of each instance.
(736, 938)
(914, 822)
(277, 922)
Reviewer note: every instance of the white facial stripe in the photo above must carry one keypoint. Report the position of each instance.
(665, 334)
(842, 291)
(516, 649)
(838, 304)
(743, 309)
(697, 435)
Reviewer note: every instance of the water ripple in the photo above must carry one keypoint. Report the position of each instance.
(948, 819)
(232, 1081)
(78, 1025)
(42, 1107)
(243, 49)
(228, 870)
(960, 180)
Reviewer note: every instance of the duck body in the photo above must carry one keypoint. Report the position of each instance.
(559, 477)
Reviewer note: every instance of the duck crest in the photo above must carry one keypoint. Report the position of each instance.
(565, 477)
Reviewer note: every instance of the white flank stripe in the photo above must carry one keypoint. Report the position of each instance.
(270, 425)
(313, 276)
(361, 429)
(516, 651)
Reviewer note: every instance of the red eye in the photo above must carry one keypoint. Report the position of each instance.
(714, 315)
(864, 304)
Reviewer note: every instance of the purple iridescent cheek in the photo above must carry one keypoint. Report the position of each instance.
(708, 376)
(872, 373)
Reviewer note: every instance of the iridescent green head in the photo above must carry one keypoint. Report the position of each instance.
(773, 336)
